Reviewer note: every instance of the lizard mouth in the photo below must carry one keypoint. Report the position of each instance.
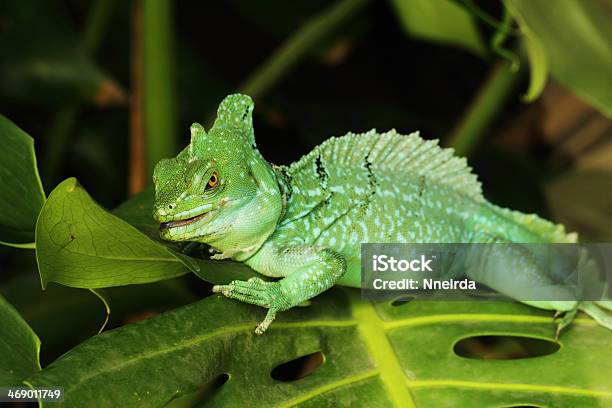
(179, 223)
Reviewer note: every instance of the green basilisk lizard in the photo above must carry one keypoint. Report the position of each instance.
(304, 223)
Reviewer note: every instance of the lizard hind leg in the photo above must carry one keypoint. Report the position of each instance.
(263, 326)
(563, 319)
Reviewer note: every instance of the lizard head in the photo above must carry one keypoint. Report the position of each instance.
(219, 190)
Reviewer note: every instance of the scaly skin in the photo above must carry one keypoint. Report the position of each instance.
(304, 223)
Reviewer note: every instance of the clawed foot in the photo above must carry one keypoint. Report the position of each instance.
(257, 292)
(218, 256)
(563, 319)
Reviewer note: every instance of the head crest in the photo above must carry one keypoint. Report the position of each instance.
(234, 116)
(236, 112)
(197, 135)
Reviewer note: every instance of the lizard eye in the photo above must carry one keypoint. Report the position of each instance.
(213, 181)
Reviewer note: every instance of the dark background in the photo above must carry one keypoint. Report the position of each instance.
(76, 98)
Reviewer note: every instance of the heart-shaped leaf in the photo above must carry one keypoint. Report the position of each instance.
(19, 347)
(374, 355)
(80, 244)
(22, 193)
(138, 211)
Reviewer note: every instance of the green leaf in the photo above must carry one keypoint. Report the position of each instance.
(223, 272)
(22, 193)
(138, 211)
(576, 38)
(63, 317)
(19, 347)
(441, 21)
(374, 355)
(538, 62)
(538, 67)
(80, 244)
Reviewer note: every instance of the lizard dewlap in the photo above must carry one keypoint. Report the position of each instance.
(304, 223)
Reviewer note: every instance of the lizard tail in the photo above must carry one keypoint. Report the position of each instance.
(600, 310)
(549, 231)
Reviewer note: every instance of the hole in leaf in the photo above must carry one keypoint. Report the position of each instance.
(483, 294)
(202, 395)
(522, 406)
(217, 382)
(298, 368)
(504, 347)
(402, 300)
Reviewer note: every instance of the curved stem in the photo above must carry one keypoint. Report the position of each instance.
(298, 45)
(471, 6)
(485, 107)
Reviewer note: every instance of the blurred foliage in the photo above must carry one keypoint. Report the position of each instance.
(19, 347)
(572, 41)
(51, 66)
(571, 194)
(538, 62)
(441, 21)
(19, 179)
(317, 69)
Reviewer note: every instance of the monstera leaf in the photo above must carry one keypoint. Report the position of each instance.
(386, 354)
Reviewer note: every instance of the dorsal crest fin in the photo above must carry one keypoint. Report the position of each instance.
(393, 153)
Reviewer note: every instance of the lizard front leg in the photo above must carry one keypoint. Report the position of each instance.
(308, 271)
